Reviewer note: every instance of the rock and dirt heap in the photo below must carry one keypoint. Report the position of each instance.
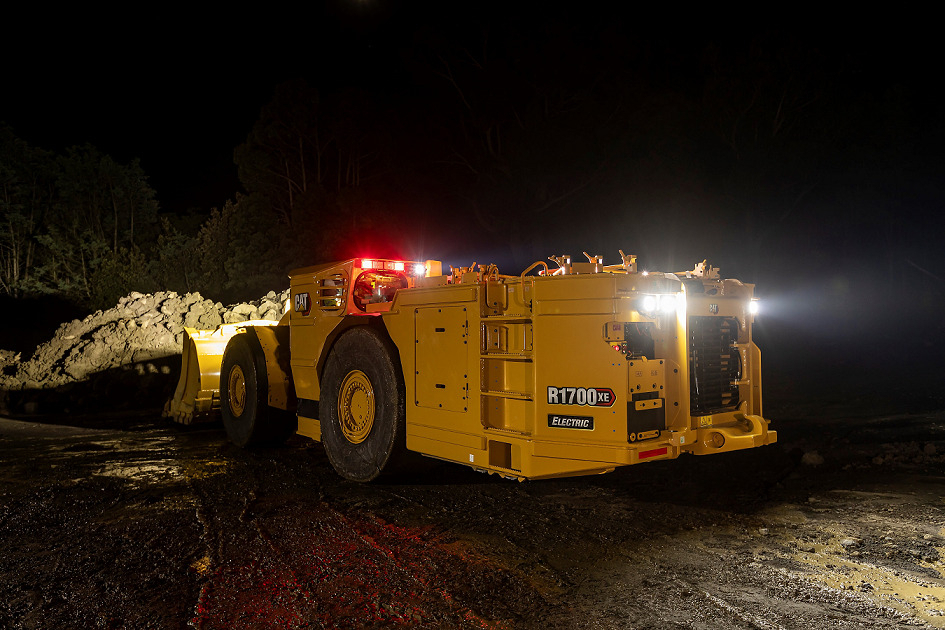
(125, 357)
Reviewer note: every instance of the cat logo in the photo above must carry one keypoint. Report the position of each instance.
(303, 303)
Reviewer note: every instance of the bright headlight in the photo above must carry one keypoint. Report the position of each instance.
(653, 305)
(754, 306)
(668, 303)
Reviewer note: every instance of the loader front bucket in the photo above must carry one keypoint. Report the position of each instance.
(198, 390)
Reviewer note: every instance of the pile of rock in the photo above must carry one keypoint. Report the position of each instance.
(909, 453)
(125, 357)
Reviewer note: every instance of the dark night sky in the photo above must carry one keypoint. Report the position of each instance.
(176, 94)
(180, 92)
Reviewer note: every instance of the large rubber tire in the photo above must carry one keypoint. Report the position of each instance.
(244, 394)
(363, 413)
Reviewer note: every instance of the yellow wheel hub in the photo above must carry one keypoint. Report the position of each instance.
(237, 390)
(356, 406)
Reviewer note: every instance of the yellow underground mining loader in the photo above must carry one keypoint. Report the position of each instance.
(563, 371)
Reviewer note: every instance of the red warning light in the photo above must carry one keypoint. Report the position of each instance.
(393, 265)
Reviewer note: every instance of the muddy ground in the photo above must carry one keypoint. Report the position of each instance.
(121, 521)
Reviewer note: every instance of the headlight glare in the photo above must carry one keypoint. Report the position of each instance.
(649, 304)
(655, 305)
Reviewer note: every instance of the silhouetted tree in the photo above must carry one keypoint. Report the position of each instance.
(284, 157)
(72, 223)
(27, 188)
(100, 208)
(309, 163)
(239, 252)
(535, 122)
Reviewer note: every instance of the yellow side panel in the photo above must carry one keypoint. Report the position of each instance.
(429, 358)
(580, 288)
(575, 307)
(508, 414)
(570, 352)
(304, 342)
(646, 376)
(308, 341)
(512, 377)
(314, 316)
(442, 356)
(466, 441)
(755, 358)
(306, 381)
(274, 341)
(310, 428)
(506, 338)
(677, 418)
(435, 295)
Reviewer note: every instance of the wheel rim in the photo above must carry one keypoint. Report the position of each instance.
(356, 407)
(237, 390)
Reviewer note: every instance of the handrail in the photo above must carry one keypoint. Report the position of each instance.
(533, 265)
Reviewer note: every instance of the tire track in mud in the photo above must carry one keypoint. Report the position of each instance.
(735, 611)
(683, 581)
(872, 543)
(205, 565)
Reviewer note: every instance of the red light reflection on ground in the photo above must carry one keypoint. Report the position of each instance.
(343, 572)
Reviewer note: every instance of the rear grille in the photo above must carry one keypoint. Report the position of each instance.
(714, 364)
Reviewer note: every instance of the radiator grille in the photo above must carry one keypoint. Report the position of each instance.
(714, 364)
